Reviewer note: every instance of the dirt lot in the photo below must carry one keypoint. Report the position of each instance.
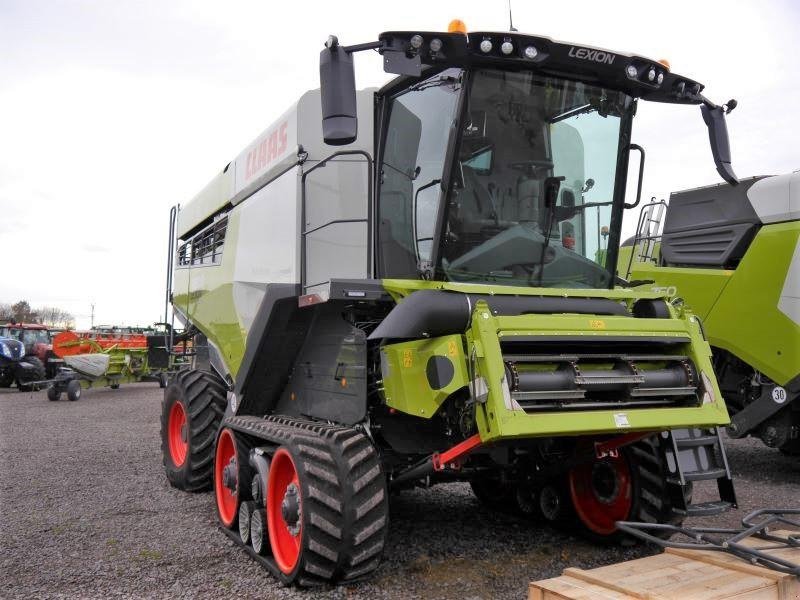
(87, 513)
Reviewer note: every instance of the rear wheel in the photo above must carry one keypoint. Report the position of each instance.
(53, 394)
(630, 486)
(26, 376)
(73, 390)
(193, 406)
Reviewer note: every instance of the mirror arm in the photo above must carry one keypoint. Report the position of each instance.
(365, 46)
(714, 118)
(641, 174)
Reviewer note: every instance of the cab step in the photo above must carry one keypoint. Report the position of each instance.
(699, 455)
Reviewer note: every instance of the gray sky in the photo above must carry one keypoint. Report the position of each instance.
(113, 111)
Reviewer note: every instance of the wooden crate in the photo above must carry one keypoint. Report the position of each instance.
(676, 575)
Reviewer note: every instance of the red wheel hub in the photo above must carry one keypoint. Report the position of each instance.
(602, 493)
(178, 434)
(226, 480)
(284, 511)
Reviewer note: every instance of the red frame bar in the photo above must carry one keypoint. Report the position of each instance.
(610, 447)
(454, 455)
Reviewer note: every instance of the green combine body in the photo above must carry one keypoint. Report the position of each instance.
(435, 300)
(733, 256)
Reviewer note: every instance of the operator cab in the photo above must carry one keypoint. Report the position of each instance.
(502, 158)
(520, 137)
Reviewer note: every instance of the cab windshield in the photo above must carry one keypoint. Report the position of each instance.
(517, 136)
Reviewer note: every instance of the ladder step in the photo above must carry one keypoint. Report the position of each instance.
(705, 509)
(702, 475)
(706, 440)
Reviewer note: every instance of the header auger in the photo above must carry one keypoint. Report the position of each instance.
(435, 300)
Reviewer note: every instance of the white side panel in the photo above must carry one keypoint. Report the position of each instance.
(789, 302)
(267, 247)
(776, 199)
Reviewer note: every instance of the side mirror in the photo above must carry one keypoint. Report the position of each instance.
(714, 116)
(338, 95)
(552, 185)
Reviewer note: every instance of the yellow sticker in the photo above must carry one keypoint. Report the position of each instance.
(408, 359)
(597, 324)
(452, 349)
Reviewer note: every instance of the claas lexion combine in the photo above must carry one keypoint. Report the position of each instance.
(435, 300)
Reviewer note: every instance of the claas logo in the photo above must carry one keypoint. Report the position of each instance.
(269, 148)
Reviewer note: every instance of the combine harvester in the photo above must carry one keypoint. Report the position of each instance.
(108, 359)
(436, 301)
(733, 255)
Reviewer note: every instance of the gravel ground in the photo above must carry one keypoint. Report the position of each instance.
(87, 513)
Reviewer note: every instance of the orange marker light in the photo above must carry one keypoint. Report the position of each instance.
(664, 62)
(457, 26)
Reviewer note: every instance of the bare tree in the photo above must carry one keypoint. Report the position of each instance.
(56, 317)
(21, 312)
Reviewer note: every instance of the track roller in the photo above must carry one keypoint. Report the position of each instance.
(246, 510)
(258, 532)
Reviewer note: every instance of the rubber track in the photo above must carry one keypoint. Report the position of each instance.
(345, 501)
(205, 399)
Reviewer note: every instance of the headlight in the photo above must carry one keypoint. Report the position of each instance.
(5, 350)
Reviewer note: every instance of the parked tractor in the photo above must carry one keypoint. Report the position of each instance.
(433, 299)
(733, 255)
(38, 342)
(16, 367)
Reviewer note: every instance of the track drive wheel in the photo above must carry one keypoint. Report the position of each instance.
(791, 448)
(192, 408)
(232, 475)
(326, 508)
(630, 486)
(495, 494)
(35, 374)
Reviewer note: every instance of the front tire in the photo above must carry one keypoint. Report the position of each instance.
(6, 378)
(193, 406)
(25, 377)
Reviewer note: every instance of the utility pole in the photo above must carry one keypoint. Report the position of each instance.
(92, 325)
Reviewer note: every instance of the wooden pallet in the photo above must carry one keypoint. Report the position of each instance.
(676, 575)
